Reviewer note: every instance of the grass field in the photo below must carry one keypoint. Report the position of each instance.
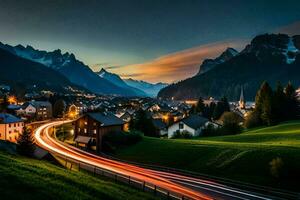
(23, 178)
(266, 156)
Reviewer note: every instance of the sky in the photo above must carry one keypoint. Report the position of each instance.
(151, 40)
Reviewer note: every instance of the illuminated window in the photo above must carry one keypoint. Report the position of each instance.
(95, 131)
(85, 131)
(85, 123)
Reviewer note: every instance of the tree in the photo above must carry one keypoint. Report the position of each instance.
(200, 106)
(144, 124)
(253, 120)
(4, 104)
(280, 103)
(25, 143)
(59, 108)
(292, 104)
(264, 104)
(221, 107)
(231, 123)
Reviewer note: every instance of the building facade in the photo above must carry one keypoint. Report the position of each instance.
(192, 124)
(91, 127)
(10, 127)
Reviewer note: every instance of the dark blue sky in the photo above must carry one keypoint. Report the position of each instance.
(122, 32)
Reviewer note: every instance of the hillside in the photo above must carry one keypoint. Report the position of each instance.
(245, 157)
(268, 57)
(20, 72)
(33, 179)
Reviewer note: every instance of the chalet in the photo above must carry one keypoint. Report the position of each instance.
(42, 110)
(10, 127)
(192, 124)
(91, 127)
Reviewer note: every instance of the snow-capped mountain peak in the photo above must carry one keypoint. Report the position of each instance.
(208, 64)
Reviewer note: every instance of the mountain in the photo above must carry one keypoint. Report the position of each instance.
(208, 64)
(23, 73)
(115, 79)
(66, 64)
(270, 57)
(149, 88)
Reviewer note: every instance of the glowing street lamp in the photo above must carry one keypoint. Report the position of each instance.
(12, 100)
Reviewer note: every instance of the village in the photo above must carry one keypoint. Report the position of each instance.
(96, 116)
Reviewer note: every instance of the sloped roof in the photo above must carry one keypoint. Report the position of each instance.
(8, 118)
(83, 139)
(195, 121)
(106, 119)
(159, 124)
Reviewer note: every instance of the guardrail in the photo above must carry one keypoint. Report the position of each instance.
(282, 194)
(73, 164)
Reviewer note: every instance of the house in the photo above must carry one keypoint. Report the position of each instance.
(41, 110)
(80, 107)
(91, 127)
(27, 109)
(192, 124)
(160, 126)
(126, 117)
(10, 127)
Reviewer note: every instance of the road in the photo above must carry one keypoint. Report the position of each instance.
(192, 188)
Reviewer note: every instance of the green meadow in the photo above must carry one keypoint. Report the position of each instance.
(268, 156)
(24, 178)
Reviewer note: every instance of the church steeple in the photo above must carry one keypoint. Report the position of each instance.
(242, 102)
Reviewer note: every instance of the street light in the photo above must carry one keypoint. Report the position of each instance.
(12, 100)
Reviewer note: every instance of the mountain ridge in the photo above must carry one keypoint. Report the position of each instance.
(269, 57)
(116, 79)
(67, 64)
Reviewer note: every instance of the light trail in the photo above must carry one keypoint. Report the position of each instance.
(193, 188)
(45, 141)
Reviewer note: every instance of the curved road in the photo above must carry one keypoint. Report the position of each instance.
(192, 188)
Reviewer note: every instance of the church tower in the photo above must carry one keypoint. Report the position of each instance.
(242, 102)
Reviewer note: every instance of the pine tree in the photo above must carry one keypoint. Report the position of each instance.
(200, 105)
(292, 104)
(25, 143)
(264, 104)
(144, 124)
(221, 107)
(280, 103)
(4, 104)
(59, 108)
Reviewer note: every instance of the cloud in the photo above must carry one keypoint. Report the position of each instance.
(179, 65)
(133, 75)
(290, 29)
(113, 67)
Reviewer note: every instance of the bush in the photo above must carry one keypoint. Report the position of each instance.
(276, 167)
(210, 130)
(182, 135)
(231, 123)
(119, 138)
(253, 120)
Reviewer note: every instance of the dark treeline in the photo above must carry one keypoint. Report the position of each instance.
(213, 110)
(274, 106)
